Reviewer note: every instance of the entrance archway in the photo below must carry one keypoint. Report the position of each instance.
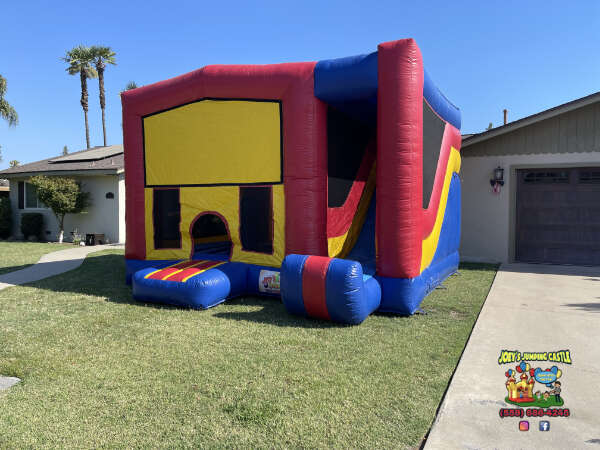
(210, 237)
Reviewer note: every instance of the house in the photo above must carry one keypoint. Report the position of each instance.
(548, 208)
(101, 173)
(4, 188)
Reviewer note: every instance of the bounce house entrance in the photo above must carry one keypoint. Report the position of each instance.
(210, 238)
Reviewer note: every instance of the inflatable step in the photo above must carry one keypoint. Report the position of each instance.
(328, 288)
(194, 284)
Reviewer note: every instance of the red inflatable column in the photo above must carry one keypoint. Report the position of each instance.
(305, 168)
(399, 159)
(135, 236)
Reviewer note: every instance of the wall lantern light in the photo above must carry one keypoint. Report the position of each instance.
(498, 179)
(498, 176)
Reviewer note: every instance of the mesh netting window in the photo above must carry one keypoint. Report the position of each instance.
(433, 133)
(347, 141)
(167, 216)
(256, 219)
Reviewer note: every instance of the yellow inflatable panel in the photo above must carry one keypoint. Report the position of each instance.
(430, 243)
(224, 201)
(214, 142)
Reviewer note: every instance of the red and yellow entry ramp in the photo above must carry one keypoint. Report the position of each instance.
(201, 284)
(182, 271)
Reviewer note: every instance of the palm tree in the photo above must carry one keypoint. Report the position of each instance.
(102, 56)
(79, 60)
(7, 112)
(131, 85)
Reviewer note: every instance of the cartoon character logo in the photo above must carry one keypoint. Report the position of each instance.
(268, 282)
(521, 392)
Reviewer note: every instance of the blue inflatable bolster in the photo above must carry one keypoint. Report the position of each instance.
(199, 292)
(350, 296)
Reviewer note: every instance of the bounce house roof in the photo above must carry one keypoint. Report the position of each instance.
(350, 85)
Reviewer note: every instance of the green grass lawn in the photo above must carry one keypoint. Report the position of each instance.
(99, 369)
(18, 255)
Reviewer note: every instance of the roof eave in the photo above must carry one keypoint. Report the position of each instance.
(530, 120)
(86, 172)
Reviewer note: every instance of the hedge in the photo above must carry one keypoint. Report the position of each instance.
(5, 218)
(32, 224)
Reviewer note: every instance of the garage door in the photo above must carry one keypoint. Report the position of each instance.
(558, 216)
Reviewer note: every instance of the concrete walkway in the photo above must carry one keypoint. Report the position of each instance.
(52, 264)
(530, 308)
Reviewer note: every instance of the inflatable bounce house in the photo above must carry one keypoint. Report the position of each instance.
(333, 185)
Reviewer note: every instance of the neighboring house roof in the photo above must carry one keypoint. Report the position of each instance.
(101, 160)
(529, 120)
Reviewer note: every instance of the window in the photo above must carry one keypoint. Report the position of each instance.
(546, 177)
(433, 134)
(347, 141)
(589, 176)
(167, 216)
(256, 219)
(31, 199)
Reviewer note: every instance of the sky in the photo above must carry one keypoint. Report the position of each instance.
(525, 56)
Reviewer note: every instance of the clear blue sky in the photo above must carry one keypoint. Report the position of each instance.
(525, 56)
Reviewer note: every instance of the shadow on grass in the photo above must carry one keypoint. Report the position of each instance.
(272, 313)
(486, 267)
(104, 276)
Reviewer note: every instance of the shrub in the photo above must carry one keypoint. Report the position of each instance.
(63, 196)
(32, 224)
(5, 218)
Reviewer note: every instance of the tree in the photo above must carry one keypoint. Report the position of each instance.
(14, 163)
(7, 112)
(62, 195)
(65, 150)
(101, 57)
(79, 60)
(131, 85)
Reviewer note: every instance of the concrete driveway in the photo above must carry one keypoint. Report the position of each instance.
(530, 308)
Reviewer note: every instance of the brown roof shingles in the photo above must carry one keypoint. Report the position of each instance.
(115, 162)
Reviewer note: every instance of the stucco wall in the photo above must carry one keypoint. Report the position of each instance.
(121, 194)
(102, 216)
(488, 219)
